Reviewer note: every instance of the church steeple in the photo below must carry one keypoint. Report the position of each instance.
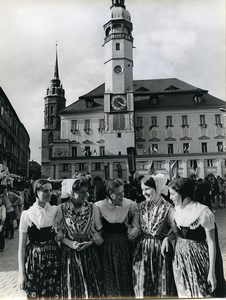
(56, 88)
(54, 100)
(56, 71)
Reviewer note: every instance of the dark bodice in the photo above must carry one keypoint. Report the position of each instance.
(40, 235)
(197, 234)
(113, 227)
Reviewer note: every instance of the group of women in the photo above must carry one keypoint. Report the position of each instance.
(118, 248)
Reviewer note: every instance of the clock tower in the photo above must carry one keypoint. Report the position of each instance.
(118, 97)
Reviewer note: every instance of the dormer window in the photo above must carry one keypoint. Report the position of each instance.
(198, 98)
(89, 103)
(171, 88)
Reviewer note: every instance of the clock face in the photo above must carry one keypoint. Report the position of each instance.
(118, 69)
(118, 102)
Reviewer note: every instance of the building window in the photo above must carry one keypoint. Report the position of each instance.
(102, 150)
(153, 149)
(209, 162)
(119, 135)
(170, 148)
(87, 127)
(50, 138)
(101, 125)
(140, 149)
(74, 152)
(117, 46)
(185, 147)
(74, 124)
(119, 122)
(219, 146)
(218, 121)
(204, 147)
(50, 153)
(169, 121)
(51, 110)
(65, 167)
(184, 121)
(97, 166)
(87, 151)
(202, 120)
(154, 122)
(81, 166)
(139, 123)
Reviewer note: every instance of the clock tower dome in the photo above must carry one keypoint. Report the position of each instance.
(118, 97)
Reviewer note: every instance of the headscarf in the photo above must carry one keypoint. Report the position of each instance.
(67, 185)
(159, 183)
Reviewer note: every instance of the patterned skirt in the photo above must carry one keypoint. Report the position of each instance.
(190, 266)
(42, 270)
(152, 273)
(80, 273)
(116, 254)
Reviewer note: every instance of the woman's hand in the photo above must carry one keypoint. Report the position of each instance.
(133, 233)
(165, 246)
(97, 239)
(82, 246)
(211, 279)
(22, 281)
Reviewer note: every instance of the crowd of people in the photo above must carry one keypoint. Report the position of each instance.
(150, 237)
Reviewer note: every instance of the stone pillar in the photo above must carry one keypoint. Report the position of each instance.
(201, 168)
(52, 172)
(111, 170)
(57, 171)
(219, 168)
(72, 169)
(89, 167)
(185, 168)
(167, 168)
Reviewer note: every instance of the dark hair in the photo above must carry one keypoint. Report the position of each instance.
(112, 185)
(149, 181)
(79, 183)
(183, 186)
(38, 185)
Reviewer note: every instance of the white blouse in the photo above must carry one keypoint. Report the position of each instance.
(193, 215)
(41, 217)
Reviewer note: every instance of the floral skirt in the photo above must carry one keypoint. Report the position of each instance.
(116, 254)
(42, 270)
(80, 274)
(190, 266)
(152, 273)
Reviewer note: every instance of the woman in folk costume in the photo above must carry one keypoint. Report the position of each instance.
(80, 267)
(39, 258)
(152, 271)
(195, 251)
(117, 224)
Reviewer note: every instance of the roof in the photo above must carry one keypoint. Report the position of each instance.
(171, 93)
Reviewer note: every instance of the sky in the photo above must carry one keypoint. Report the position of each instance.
(182, 39)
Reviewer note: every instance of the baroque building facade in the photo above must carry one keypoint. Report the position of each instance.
(14, 154)
(166, 121)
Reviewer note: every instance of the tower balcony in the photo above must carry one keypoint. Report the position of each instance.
(122, 35)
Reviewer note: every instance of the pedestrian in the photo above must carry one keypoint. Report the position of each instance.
(152, 271)
(39, 258)
(2, 221)
(195, 251)
(80, 266)
(10, 215)
(117, 225)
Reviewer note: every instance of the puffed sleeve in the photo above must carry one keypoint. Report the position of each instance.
(58, 218)
(207, 219)
(134, 211)
(97, 217)
(24, 222)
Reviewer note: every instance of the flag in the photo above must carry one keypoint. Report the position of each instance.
(151, 167)
(174, 170)
(155, 149)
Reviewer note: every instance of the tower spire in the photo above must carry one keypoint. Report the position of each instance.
(56, 71)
